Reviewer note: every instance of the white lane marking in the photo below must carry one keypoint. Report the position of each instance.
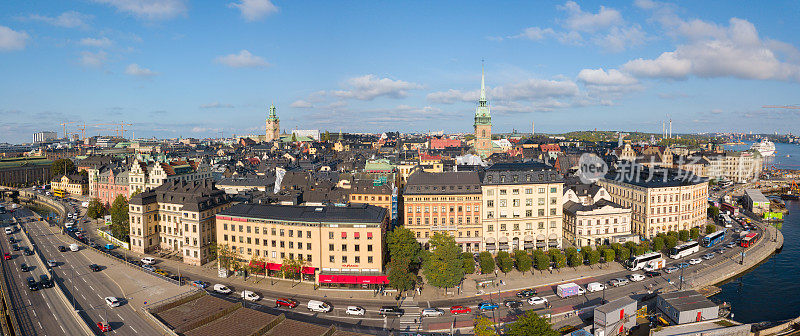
(90, 286)
(120, 317)
(134, 330)
(84, 280)
(34, 311)
(40, 324)
(83, 297)
(62, 329)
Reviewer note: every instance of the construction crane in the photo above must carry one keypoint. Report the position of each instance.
(791, 107)
(65, 127)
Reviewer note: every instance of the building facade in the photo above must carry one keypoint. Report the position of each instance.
(521, 206)
(600, 223)
(273, 126)
(74, 185)
(24, 171)
(447, 202)
(337, 246)
(111, 182)
(177, 216)
(483, 124)
(44, 136)
(144, 175)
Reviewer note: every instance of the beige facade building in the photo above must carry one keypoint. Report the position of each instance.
(178, 216)
(144, 175)
(661, 199)
(591, 218)
(337, 246)
(74, 185)
(521, 207)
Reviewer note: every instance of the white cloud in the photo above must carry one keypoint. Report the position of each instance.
(535, 33)
(12, 40)
(369, 87)
(70, 19)
(588, 22)
(528, 90)
(601, 77)
(136, 70)
(95, 42)
(93, 59)
(301, 104)
(620, 38)
(253, 10)
(148, 9)
(215, 105)
(244, 59)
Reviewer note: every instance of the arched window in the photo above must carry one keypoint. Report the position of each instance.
(483, 133)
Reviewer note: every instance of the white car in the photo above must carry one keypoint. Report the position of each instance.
(430, 312)
(695, 261)
(250, 296)
(51, 263)
(618, 282)
(222, 289)
(148, 260)
(636, 277)
(112, 301)
(537, 300)
(355, 310)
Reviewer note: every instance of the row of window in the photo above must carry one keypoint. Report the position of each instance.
(435, 209)
(516, 226)
(516, 202)
(515, 214)
(284, 232)
(436, 221)
(515, 191)
(460, 234)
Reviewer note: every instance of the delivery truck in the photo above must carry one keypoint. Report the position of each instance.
(569, 289)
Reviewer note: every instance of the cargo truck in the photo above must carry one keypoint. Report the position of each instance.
(569, 289)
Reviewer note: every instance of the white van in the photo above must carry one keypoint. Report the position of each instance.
(250, 296)
(222, 289)
(9, 230)
(74, 247)
(318, 306)
(595, 287)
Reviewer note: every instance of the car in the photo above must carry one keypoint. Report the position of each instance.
(24, 267)
(567, 329)
(32, 284)
(27, 251)
(11, 240)
(670, 269)
(526, 293)
(112, 301)
(61, 248)
(536, 300)
(148, 260)
(708, 256)
(179, 278)
(52, 263)
(636, 277)
(161, 272)
(222, 289)
(652, 274)
(695, 261)
(284, 302)
(358, 311)
(391, 311)
(15, 247)
(250, 296)
(103, 326)
(720, 250)
(618, 282)
(199, 284)
(6, 256)
(432, 312)
(512, 303)
(730, 245)
(487, 306)
(457, 310)
(94, 267)
(149, 268)
(45, 282)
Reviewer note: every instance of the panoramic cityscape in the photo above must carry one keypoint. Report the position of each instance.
(259, 167)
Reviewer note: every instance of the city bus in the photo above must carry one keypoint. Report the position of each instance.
(59, 193)
(749, 239)
(681, 251)
(2, 209)
(714, 238)
(649, 261)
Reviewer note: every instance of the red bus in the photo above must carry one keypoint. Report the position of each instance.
(734, 210)
(749, 239)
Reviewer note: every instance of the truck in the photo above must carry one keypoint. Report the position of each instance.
(569, 289)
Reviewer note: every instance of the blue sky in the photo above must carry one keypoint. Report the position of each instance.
(197, 68)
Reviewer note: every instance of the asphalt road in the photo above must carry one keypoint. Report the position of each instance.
(40, 312)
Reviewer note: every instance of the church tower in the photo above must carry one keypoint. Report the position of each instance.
(483, 123)
(273, 125)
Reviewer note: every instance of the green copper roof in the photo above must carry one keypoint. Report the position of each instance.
(482, 113)
(272, 115)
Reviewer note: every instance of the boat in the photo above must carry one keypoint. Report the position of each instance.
(765, 147)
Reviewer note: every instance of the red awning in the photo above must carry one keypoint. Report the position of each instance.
(258, 264)
(274, 267)
(369, 235)
(344, 234)
(356, 234)
(347, 279)
(327, 278)
(373, 279)
(354, 279)
(309, 270)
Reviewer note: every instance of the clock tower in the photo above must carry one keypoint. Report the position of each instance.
(483, 123)
(273, 125)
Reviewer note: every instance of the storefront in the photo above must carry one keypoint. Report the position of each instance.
(353, 281)
(274, 270)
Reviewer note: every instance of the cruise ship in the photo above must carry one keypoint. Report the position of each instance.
(765, 147)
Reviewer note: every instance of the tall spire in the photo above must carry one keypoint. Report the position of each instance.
(483, 86)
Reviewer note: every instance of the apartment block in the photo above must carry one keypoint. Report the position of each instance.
(145, 175)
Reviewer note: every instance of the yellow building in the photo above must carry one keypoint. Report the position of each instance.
(74, 185)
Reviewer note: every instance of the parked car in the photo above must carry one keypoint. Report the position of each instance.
(45, 281)
(682, 265)
(670, 269)
(222, 289)
(456, 310)
(391, 311)
(11, 240)
(32, 284)
(15, 247)
(6, 256)
(636, 277)
(536, 300)
(250, 296)
(52, 263)
(284, 302)
(149, 268)
(94, 267)
(112, 301)
(652, 274)
(161, 272)
(618, 282)
(358, 311)
(526, 293)
(487, 306)
(432, 312)
(27, 251)
(148, 260)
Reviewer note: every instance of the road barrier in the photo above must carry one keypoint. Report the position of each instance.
(10, 323)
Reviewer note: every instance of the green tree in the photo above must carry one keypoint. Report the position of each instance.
(630, 245)
(570, 250)
(575, 259)
(119, 218)
(257, 265)
(593, 257)
(523, 261)
(559, 260)
(401, 243)
(531, 324)
(608, 255)
(294, 137)
(504, 262)
(623, 254)
(672, 241)
(541, 260)
(486, 262)
(694, 233)
(683, 235)
(658, 243)
(468, 262)
(400, 275)
(710, 228)
(713, 212)
(443, 267)
(57, 168)
(291, 268)
(227, 257)
(484, 327)
(95, 209)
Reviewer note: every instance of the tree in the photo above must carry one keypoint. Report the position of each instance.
(402, 244)
(623, 254)
(95, 209)
(523, 261)
(694, 233)
(84, 174)
(575, 259)
(559, 260)
(713, 212)
(443, 268)
(291, 268)
(227, 258)
(608, 255)
(504, 262)
(529, 324)
(400, 275)
(119, 218)
(468, 262)
(326, 137)
(658, 243)
(257, 265)
(484, 327)
(672, 241)
(486, 262)
(630, 245)
(294, 137)
(710, 228)
(684, 235)
(57, 168)
(593, 256)
(541, 260)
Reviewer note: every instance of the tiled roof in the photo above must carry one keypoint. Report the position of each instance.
(357, 213)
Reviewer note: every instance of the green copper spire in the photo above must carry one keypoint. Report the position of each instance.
(482, 113)
(483, 86)
(272, 115)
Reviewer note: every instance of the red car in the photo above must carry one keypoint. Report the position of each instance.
(103, 326)
(455, 310)
(6, 256)
(286, 302)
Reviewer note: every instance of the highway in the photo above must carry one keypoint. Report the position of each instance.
(40, 312)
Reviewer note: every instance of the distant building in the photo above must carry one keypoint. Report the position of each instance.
(483, 124)
(273, 126)
(75, 185)
(442, 143)
(144, 175)
(111, 182)
(313, 134)
(44, 136)
(755, 201)
(591, 218)
(24, 171)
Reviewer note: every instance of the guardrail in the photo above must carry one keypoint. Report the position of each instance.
(9, 317)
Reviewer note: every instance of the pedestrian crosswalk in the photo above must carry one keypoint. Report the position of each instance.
(412, 313)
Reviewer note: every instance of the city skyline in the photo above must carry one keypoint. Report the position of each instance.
(173, 68)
